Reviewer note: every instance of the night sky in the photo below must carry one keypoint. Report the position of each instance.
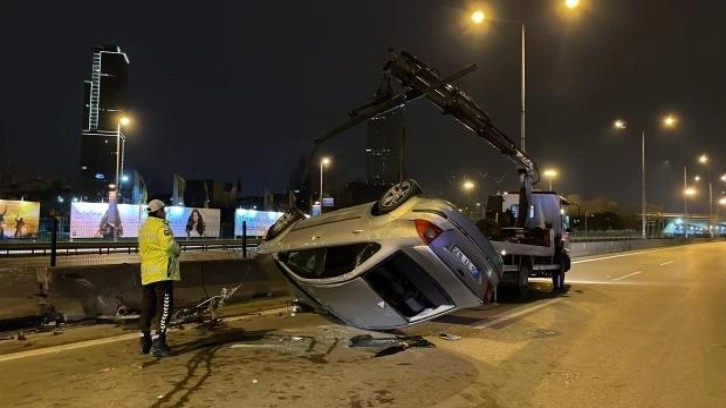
(239, 88)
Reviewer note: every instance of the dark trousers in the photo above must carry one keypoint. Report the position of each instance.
(157, 301)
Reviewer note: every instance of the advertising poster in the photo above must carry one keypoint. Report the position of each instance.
(191, 222)
(258, 222)
(98, 220)
(19, 219)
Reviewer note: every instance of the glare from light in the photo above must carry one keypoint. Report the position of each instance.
(697, 178)
(124, 121)
(571, 4)
(550, 173)
(478, 17)
(670, 121)
(723, 178)
(703, 159)
(619, 124)
(468, 185)
(690, 191)
(325, 161)
(722, 201)
(124, 178)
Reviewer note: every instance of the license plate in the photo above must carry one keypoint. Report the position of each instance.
(475, 272)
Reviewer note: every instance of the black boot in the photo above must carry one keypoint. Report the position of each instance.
(145, 343)
(159, 348)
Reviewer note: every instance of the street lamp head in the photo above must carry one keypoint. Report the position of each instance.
(670, 121)
(723, 178)
(124, 121)
(571, 4)
(703, 159)
(690, 191)
(325, 161)
(722, 201)
(468, 185)
(478, 16)
(550, 173)
(697, 178)
(619, 124)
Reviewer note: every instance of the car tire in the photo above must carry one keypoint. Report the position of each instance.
(283, 223)
(395, 196)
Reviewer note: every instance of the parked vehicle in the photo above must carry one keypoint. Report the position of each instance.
(402, 260)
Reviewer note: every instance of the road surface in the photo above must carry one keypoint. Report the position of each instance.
(637, 329)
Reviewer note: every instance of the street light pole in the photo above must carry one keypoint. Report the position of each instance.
(323, 162)
(642, 200)
(118, 152)
(523, 104)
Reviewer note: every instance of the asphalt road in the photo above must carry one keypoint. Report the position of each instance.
(638, 329)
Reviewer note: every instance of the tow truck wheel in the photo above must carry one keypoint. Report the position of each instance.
(523, 287)
(395, 196)
(558, 276)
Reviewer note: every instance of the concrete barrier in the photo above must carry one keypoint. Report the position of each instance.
(588, 248)
(81, 292)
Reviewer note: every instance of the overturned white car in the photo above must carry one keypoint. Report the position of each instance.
(388, 264)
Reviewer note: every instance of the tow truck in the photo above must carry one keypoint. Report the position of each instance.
(528, 228)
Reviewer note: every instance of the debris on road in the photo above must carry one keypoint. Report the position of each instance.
(449, 336)
(394, 344)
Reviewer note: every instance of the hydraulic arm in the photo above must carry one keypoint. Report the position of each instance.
(419, 80)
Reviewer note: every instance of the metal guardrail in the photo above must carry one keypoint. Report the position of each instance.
(35, 248)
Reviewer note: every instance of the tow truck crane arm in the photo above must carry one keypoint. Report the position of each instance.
(420, 80)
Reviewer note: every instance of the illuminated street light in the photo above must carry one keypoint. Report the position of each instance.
(468, 185)
(619, 124)
(670, 121)
(123, 121)
(571, 4)
(690, 191)
(697, 178)
(703, 159)
(722, 201)
(550, 174)
(478, 16)
(323, 162)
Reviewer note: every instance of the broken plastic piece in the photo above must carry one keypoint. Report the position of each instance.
(449, 336)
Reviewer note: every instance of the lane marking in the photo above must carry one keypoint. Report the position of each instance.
(666, 263)
(628, 275)
(114, 339)
(626, 254)
(609, 257)
(509, 316)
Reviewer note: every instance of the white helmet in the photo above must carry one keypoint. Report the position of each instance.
(154, 206)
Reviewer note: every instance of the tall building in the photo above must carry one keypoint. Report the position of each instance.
(103, 106)
(384, 151)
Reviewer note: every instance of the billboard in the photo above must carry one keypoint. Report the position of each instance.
(96, 220)
(19, 219)
(258, 222)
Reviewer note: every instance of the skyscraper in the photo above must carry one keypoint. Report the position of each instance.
(104, 103)
(384, 160)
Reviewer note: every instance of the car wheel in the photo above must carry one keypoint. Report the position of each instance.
(396, 195)
(284, 222)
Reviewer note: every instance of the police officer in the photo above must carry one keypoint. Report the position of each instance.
(159, 269)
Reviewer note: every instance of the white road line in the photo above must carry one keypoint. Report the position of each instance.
(508, 316)
(628, 275)
(666, 263)
(608, 257)
(114, 339)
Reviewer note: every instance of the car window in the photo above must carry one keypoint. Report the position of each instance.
(322, 263)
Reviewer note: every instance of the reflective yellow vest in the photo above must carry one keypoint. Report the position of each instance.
(159, 252)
